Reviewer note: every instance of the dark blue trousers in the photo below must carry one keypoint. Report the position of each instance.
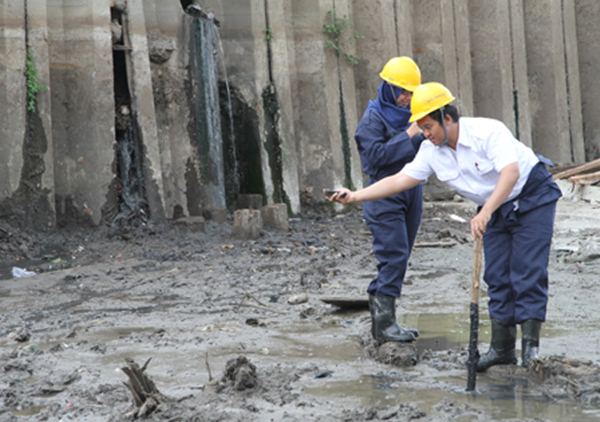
(517, 247)
(394, 223)
(516, 265)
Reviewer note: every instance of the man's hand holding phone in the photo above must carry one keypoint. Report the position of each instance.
(341, 195)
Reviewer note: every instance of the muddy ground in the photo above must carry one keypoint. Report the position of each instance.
(214, 316)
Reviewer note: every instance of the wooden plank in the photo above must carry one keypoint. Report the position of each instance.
(592, 165)
(347, 302)
(586, 179)
(440, 244)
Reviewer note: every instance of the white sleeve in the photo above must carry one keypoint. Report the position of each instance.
(500, 147)
(419, 167)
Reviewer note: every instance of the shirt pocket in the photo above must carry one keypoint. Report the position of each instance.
(483, 166)
(446, 175)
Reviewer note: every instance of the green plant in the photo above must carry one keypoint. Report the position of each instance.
(335, 29)
(32, 81)
(268, 35)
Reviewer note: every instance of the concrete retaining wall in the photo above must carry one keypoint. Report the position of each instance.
(532, 64)
(12, 94)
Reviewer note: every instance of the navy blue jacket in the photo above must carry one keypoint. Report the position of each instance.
(383, 150)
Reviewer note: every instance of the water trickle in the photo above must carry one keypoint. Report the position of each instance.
(230, 122)
(132, 202)
(207, 134)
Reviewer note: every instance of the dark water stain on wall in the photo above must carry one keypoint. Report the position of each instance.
(273, 143)
(241, 150)
(29, 206)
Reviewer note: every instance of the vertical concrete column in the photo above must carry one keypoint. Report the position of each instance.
(83, 123)
(519, 70)
(282, 65)
(37, 35)
(348, 96)
(403, 17)
(375, 22)
(442, 47)
(573, 76)
(140, 83)
(168, 44)
(59, 100)
(427, 38)
(588, 34)
(491, 48)
(317, 106)
(464, 78)
(549, 93)
(12, 94)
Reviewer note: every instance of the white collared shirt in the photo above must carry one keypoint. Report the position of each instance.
(485, 146)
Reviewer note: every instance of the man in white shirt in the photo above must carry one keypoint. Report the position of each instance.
(481, 160)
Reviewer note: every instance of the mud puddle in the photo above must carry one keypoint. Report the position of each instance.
(450, 402)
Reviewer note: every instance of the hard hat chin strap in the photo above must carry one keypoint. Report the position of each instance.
(445, 141)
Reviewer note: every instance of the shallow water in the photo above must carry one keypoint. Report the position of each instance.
(498, 401)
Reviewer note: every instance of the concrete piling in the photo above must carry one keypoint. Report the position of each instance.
(247, 224)
(250, 200)
(499, 66)
(12, 94)
(82, 108)
(275, 216)
(376, 44)
(588, 34)
(549, 80)
(295, 101)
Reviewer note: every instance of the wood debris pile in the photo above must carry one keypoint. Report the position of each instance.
(584, 174)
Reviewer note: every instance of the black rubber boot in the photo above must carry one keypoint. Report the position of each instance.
(502, 347)
(383, 321)
(530, 341)
(372, 310)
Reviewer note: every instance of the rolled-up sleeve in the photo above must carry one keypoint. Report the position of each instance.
(419, 168)
(500, 147)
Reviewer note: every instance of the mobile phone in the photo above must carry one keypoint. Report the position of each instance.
(331, 192)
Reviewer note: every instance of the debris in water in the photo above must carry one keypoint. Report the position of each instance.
(298, 299)
(240, 373)
(346, 302)
(324, 374)
(18, 272)
(146, 396)
(456, 218)
(20, 335)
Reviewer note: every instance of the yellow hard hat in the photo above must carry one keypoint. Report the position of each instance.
(402, 72)
(429, 97)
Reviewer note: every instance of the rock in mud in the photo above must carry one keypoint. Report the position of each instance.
(397, 354)
(298, 299)
(240, 373)
(404, 412)
(20, 335)
(453, 411)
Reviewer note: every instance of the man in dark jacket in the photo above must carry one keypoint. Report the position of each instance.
(386, 142)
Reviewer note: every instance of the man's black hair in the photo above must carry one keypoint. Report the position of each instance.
(449, 109)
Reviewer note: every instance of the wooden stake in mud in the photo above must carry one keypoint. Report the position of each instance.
(473, 358)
